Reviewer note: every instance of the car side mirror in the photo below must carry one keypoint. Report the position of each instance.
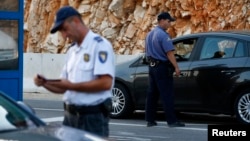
(26, 107)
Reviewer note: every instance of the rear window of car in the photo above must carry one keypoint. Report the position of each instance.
(219, 47)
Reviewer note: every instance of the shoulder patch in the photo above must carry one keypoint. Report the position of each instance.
(98, 39)
(103, 55)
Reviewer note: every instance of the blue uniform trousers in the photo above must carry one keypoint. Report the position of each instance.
(160, 85)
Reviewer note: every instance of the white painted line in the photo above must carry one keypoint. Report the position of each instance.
(57, 119)
(54, 119)
(44, 109)
(159, 126)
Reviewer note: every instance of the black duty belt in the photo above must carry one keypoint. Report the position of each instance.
(155, 62)
(80, 110)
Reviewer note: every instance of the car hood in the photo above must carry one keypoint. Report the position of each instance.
(49, 133)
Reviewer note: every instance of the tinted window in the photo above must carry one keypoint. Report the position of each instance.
(240, 50)
(215, 47)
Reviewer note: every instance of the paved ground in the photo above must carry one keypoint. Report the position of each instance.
(42, 96)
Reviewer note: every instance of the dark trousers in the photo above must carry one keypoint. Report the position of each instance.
(160, 85)
(95, 123)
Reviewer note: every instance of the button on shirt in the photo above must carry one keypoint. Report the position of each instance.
(158, 42)
(84, 63)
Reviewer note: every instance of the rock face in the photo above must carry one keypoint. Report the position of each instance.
(125, 23)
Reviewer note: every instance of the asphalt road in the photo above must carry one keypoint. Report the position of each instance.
(134, 128)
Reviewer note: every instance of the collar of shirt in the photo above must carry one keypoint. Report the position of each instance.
(84, 42)
(88, 38)
(161, 29)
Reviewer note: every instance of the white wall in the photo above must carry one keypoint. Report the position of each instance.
(50, 66)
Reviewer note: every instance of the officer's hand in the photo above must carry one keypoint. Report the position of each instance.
(39, 80)
(177, 72)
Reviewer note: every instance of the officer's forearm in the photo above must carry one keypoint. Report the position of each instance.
(102, 83)
(54, 89)
(172, 59)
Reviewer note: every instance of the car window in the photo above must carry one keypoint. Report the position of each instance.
(240, 50)
(217, 47)
(184, 48)
(12, 116)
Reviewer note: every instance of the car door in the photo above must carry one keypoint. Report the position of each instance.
(185, 49)
(141, 81)
(211, 76)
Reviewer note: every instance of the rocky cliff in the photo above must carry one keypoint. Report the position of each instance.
(126, 22)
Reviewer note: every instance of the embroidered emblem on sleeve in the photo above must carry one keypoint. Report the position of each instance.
(103, 56)
(86, 57)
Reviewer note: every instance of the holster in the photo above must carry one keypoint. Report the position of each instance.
(153, 62)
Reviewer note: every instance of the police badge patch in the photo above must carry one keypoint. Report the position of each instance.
(103, 55)
(86, 57)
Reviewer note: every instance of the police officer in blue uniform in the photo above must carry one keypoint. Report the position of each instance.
(87, 77)
(162, 65)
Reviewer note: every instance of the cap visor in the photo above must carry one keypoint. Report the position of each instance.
(56, 27)
(172, 19)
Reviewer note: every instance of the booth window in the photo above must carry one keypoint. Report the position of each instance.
(8, 44)
(9, 5)
(9, 35)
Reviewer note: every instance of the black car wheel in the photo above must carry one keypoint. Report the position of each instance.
(242, 107)
(121, 102)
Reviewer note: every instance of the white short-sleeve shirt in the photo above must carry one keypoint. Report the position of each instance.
(84, 63)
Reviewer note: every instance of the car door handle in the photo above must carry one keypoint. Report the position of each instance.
(228, 71)
(183, 74)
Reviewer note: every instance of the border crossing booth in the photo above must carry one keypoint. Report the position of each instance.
(11, 48)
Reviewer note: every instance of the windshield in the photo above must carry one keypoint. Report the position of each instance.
(13, 117)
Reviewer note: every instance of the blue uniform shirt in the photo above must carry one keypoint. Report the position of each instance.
(158, 43)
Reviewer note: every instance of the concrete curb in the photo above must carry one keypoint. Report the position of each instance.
(42, 96)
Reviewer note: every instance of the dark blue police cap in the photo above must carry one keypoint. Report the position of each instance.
(165, 15)
(61, 15)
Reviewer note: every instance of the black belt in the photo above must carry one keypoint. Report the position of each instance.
(80, 110)
(154, 62)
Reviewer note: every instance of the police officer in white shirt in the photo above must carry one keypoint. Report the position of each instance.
(87, 77)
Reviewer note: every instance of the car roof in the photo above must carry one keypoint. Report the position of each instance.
(244, 34)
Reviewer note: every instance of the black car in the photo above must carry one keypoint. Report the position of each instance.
(215, 76)
(18, 123)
